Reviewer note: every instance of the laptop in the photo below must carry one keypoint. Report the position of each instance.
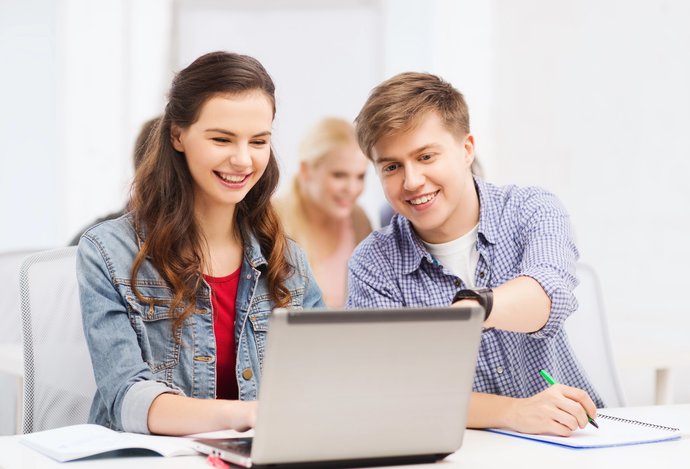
(354, 388)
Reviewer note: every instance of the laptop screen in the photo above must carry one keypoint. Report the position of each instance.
(357, 384)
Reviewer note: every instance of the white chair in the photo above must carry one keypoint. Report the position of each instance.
(588, 333)
(11, 360)
(58, 377)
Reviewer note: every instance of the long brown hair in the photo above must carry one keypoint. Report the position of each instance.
(163, 189)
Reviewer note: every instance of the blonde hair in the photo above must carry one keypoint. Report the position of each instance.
(329, 134)
(326, 136)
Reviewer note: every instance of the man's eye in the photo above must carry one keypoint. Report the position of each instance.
(389, 168)
(425, 157)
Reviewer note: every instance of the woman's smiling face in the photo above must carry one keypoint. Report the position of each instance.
(228, 147)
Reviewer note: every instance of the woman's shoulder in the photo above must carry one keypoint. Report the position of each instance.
(360, 223)
(121, 228)
(294, 253)
(116, 238)
(286, 209)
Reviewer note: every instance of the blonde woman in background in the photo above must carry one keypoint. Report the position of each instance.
(320, 210)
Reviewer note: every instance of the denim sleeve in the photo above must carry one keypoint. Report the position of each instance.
(549, 256)
(313, 298)
(125, 383)
(370, 279)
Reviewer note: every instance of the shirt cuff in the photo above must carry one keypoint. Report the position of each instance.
(563, 301)
(137, 402)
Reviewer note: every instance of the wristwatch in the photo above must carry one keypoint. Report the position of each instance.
(485, 296)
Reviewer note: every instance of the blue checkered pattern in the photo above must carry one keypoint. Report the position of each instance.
(522, 232)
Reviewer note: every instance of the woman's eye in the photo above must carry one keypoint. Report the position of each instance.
(425, 157)
(221, 139)
(258, 142)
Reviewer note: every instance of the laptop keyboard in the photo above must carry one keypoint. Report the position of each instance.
(241, 446)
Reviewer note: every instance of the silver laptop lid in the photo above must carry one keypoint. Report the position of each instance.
(349, 384)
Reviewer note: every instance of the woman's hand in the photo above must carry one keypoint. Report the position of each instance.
(172, 414)
(239, 415)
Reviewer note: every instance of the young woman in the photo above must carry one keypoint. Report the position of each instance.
(176, 295)
(320, 211)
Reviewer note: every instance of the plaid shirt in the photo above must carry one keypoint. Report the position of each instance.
(522, 232)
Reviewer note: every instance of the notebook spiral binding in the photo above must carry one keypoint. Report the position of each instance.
(637, 422)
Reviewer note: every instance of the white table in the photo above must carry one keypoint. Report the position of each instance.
(480, 450)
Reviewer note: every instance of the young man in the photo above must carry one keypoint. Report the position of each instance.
(458, 239)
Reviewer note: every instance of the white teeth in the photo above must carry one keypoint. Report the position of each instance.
(423, 199)
(231, 178)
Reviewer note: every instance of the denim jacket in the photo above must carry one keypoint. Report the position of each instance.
(134, 353)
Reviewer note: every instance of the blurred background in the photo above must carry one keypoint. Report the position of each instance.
(589, 99)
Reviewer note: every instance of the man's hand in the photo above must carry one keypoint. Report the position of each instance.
(557, 410)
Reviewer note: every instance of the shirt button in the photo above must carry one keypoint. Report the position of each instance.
(481, 274)
(249, 276)
(499, 370)
(205, 359)
(247, 374)
(456, 282)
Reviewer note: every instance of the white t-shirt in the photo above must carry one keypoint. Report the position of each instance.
(459, 256)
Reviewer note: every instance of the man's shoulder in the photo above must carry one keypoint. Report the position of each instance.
(511, 199)
(384, 243)
(513, 192)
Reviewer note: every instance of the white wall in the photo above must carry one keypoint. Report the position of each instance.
(592, 101)
(116, 67)
(30, 188)
(79, 77)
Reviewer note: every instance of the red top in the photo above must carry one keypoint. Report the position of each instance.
(223, 295)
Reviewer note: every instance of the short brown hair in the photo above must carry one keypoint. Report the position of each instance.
(397, 104)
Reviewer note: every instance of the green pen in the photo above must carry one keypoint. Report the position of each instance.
(545, 374)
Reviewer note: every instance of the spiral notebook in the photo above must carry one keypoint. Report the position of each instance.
(612, 431)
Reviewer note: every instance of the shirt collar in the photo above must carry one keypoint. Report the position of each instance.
(252, 252)
(488, 211)
(414, 250)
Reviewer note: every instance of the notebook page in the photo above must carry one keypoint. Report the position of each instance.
(612, 431)
(78, 441)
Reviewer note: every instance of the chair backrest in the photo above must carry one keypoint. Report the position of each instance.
(58, 376)
(10, 262)
(588, 333)
(11, 367)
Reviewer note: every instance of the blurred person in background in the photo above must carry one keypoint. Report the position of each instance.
(320, 210)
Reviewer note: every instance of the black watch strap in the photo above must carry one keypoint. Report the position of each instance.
(485, 297)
